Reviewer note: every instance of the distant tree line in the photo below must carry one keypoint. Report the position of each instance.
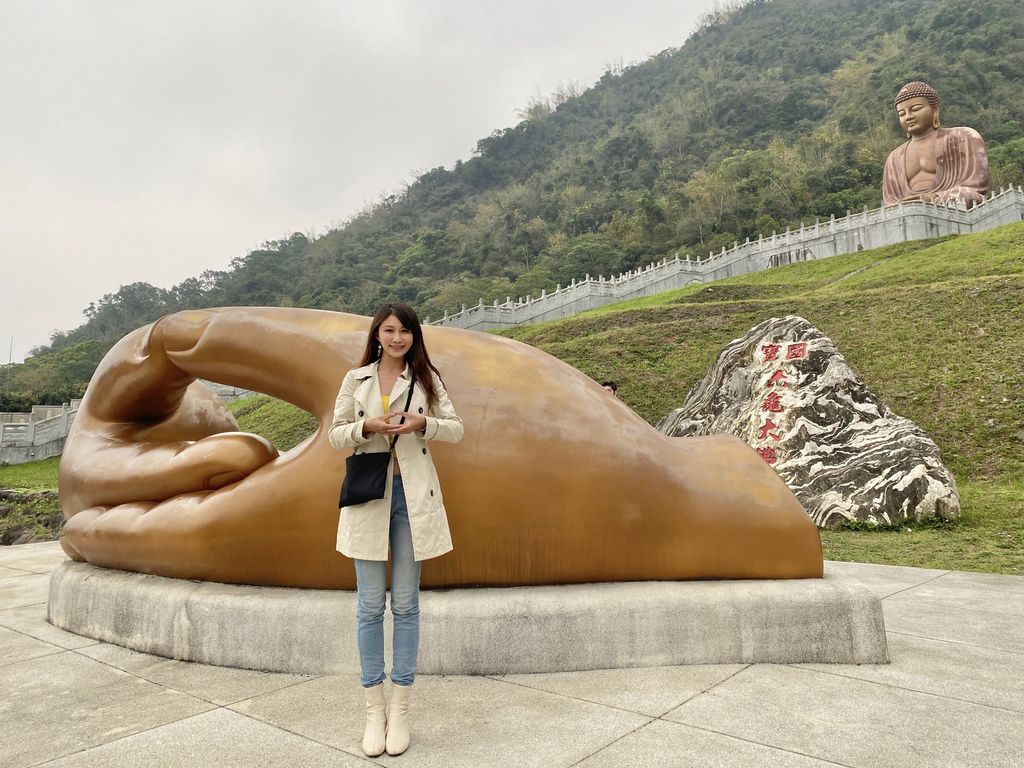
(771, 114)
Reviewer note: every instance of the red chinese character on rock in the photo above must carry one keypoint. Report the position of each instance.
(765, 430)
(768, 454)
(777, 377)
(797, 351)
(772, 403)
(771, 351)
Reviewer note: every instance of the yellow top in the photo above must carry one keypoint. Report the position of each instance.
(385, 400)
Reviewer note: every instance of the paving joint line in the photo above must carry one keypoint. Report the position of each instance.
(623, 709)
(893, 686)
(170, 687)
(5, 664)
(564, 695)
(213, 707)
(613, 741)
(27, 634)
(265, 693)
(688, 699)
(302, 736)
(49, 760)
(825, 760)
(138, 676)
(918, 584)
(15, 575)
(972, 573)
(954, 642)
(980, 610)
(27, 605)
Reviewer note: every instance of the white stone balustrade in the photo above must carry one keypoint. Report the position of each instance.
(36, 435)
(40, 434)
(907, 221)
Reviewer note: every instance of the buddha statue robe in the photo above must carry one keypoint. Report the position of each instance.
(961, 170)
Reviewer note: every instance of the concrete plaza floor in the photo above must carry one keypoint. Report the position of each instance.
(952, 696)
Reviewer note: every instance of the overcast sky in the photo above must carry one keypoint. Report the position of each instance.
(150, 141)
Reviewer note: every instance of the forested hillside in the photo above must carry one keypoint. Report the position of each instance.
(932, 327)
(771, 113)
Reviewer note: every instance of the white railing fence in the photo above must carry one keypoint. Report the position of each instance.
(29, 436)
(911, 220)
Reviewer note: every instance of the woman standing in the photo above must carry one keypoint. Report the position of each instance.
(369, 414)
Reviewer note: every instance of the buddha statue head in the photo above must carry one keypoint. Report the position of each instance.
(917, 106)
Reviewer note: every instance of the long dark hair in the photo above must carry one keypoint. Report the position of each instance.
(417, 355)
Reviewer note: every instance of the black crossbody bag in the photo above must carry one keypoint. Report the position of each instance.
(366, 474)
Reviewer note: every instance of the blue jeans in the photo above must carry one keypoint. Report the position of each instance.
(405, 603)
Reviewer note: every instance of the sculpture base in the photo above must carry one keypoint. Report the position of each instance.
(480, 631)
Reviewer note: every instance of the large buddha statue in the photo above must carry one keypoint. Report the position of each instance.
(942, 165)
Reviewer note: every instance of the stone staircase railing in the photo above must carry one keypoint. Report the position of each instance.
(912, 220)
(37, 435)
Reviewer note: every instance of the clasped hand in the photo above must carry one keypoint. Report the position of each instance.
(414, 422)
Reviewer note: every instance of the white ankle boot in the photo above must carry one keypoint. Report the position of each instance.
(376, 720)
(398, 720)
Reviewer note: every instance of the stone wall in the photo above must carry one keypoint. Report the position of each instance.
(41, 434)
(22, 454)
(854, 232)
(37, 435)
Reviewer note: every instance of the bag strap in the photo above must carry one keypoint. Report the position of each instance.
(408, 401)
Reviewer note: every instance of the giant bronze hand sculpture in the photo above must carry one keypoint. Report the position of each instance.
(555, 481)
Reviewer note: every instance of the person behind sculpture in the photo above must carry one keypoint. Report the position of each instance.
(942, 165)
(369, 412)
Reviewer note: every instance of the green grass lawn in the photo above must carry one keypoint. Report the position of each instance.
(935, 328)
(989, 537)
(34, 476)
(29, 508)
(283, 424)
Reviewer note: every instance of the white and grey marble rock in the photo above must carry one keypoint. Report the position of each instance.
(843, 453)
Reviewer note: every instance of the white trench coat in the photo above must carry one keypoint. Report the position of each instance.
(363, 528)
